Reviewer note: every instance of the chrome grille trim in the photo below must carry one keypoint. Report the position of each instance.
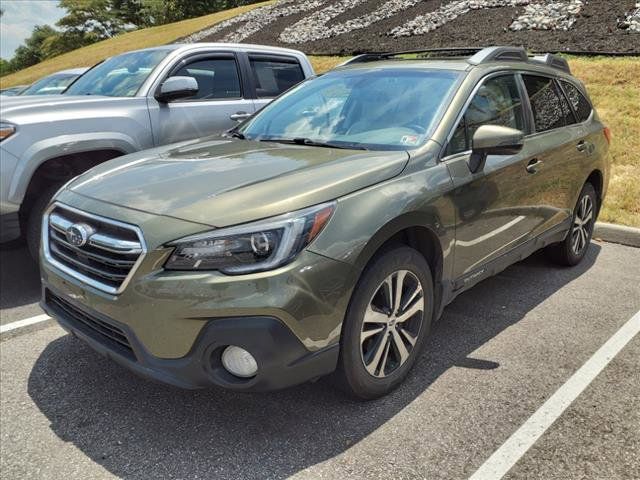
(109, 262)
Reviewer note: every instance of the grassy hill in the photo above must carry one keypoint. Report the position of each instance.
(614, 85)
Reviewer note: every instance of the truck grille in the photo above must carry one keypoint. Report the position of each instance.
(104, 332)
(101, 252)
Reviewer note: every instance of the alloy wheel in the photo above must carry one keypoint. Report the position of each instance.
(392, 323)
(582, 225)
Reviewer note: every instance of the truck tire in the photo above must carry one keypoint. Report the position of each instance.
(33, 231)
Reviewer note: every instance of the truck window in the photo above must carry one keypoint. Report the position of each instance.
(272, 76)
(217, 78)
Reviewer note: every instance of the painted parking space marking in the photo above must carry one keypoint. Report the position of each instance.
(24, 323)
(498, 464)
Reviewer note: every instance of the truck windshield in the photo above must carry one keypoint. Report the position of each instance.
(377, 109)
(119, 76)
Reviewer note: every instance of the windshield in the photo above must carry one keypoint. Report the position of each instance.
(386, 109)
(119, 76)
(53, 84)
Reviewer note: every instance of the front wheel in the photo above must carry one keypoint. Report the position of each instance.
(386, 324)
(34, 218)
(572, 250)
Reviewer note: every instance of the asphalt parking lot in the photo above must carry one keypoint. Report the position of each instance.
(500, 351)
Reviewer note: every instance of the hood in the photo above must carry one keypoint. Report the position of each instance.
(225, 182)
(19, 105)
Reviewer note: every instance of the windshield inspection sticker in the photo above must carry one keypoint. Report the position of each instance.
(409, 139)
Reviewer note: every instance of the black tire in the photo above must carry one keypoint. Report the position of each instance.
(565, 253)
(352, 374)
(33, 223)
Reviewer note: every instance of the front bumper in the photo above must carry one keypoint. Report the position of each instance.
(283, 360)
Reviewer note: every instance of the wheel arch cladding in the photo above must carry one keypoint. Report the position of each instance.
(595, 178)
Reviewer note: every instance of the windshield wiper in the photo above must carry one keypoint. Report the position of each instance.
(234, 134)
(314, 143)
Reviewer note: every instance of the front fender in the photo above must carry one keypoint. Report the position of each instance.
(53, 147)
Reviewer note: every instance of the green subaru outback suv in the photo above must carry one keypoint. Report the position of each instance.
(327, 233)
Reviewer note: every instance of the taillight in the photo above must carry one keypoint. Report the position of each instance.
(607, 134)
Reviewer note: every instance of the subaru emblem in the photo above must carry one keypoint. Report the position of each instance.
(78, 234)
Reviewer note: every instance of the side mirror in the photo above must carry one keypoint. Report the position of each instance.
(493, 140)
(174, 88)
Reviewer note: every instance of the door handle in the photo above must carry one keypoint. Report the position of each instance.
(534, 165)
(239, 116)
(582, 146)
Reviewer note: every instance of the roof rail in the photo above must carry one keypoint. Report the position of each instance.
(421, 53)
(553, 61)
(474, 56)
(493, 54)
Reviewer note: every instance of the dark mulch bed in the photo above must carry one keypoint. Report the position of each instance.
(595, 31)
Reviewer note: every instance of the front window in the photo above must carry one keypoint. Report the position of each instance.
(387, 109)
(119, 76)
(51, 85)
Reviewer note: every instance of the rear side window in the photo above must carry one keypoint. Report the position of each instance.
(217, 78)
(273, 76)
(548, 105)
(497, 102)
(581, 105)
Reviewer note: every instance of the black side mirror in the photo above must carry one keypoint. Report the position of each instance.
(174, 88)
(493, 140)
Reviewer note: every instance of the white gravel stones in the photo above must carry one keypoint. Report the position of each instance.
(315, 27)
(255, 20)
(318, 25)
(449, 11)
(548, 16)
(632, 20)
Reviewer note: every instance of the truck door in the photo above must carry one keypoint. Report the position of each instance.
(220, 102)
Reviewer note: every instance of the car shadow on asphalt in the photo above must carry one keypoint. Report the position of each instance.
(138, 429)
(19, 277)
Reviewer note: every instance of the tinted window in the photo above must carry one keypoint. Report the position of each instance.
(548, 112)
(217, 78)
(272, 77)
(497, 102)
(581, 105)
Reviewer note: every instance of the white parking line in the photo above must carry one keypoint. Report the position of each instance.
(498, 464)
(24, 323)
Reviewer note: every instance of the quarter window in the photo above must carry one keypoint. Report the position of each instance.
(546, 103)
(273, 76)
(581, 105)
(497, 102)
(217, 78)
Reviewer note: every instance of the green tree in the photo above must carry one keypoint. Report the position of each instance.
(5, 67)
(94, 19)
(31, 51)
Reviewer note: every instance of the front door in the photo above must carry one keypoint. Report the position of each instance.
(218, 105)
(494, 211)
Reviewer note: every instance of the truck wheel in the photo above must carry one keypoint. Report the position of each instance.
(34, 219)
(386, 324)
(572, 249)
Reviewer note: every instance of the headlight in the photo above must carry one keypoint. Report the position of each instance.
(253, 247)
(6, 130)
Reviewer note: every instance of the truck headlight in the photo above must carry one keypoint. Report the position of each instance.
(6, 130)
(253, 247)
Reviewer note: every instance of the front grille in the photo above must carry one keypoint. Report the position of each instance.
(104, 332)
(97, 250)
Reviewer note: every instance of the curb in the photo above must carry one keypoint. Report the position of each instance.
(610, 232)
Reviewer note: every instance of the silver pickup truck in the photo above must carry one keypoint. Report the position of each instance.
(130, 102)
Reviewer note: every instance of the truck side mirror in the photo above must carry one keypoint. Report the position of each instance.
(174, 88)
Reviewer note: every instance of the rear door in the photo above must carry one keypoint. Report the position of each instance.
(493, 205)
(221, 100)
(556, 145)
(273, 75)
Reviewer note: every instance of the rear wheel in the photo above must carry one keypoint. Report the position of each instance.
(572, 250)
(387, 323)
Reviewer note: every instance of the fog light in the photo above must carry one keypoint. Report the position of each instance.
(239, 362)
